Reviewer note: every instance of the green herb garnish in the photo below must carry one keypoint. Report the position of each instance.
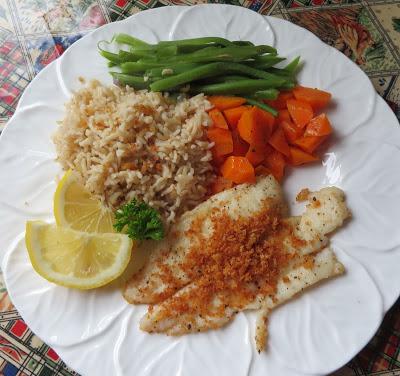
(139, 221)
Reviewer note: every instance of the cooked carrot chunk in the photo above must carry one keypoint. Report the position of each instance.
(224, 102)
(278, 142)
(238, 169)
(292, 131)
(283, 115)
(316, 98)
(255, 126)
(217, 160)
(280, 102)
(299, 157)
(233, 115)
(240, 147)
(218, 119)
(222, 139)
(319, 126)
(249, 128)
(256, 154)
(267, 121)
(300, 111)
(310, 143)
(262, 170)
(221, 184)
(275, 162)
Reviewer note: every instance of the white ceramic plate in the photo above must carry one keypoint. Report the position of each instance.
(97, 333)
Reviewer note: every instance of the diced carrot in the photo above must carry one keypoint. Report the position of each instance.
(278, 141)
(276, 163)
(247, 125)
(233, 115)
(223, 102)
(256, 154)
(238, 169)
(268, 149)
(218, 119)
(300, 111)
(262, 170)
(240, 146)
(267, 120)
(316, 98)
(250, 129)
(221, 184)
(254, 126)
(222, 139)
(310, 143)
(283, 115)
(292, 132)
(299, 157)
(319, 126)
(217, 160)
(280, 102)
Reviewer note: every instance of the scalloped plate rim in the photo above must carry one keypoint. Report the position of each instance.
(21, 105)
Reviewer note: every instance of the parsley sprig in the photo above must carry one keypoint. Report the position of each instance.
(139, 221)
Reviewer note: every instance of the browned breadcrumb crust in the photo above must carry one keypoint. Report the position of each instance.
(303, 195)
(243, 258)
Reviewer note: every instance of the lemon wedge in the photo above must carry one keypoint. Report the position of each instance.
(76, 259)
(74, 207)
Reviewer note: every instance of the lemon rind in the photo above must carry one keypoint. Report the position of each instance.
(102, 279)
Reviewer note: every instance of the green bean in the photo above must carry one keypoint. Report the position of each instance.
(292, 66)
(148, 59)
(262, 105)
(193, 47)
(238, 87)
(156, 51)
(249, 71)
(134, 81)
(269, 61)
(287, 85)
(170, 69)
(243, 43)
(111, 64)
(280, 72)
(266, 57)
(270, 94)
(213, 54)
(110, 56)
(119, 58)
(129, 40)
(269, 49)
(197, 41)
(126, 56)
(234, 77)
(167, 51)
(209, 70)
(185, 77)
(220, 79)
(142, 53)
(136, 67)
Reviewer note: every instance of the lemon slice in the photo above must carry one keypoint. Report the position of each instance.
(76, 259)
(74, 207)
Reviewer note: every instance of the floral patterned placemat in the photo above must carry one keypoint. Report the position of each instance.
(35, 32)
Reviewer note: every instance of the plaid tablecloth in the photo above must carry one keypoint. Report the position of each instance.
(35, 32)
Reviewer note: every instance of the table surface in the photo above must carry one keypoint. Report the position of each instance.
(35, 32)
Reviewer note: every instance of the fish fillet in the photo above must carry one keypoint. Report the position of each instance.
(237, 251)
(147, 286)
(293, 281)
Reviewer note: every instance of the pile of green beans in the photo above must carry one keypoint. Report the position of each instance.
(209, 65)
